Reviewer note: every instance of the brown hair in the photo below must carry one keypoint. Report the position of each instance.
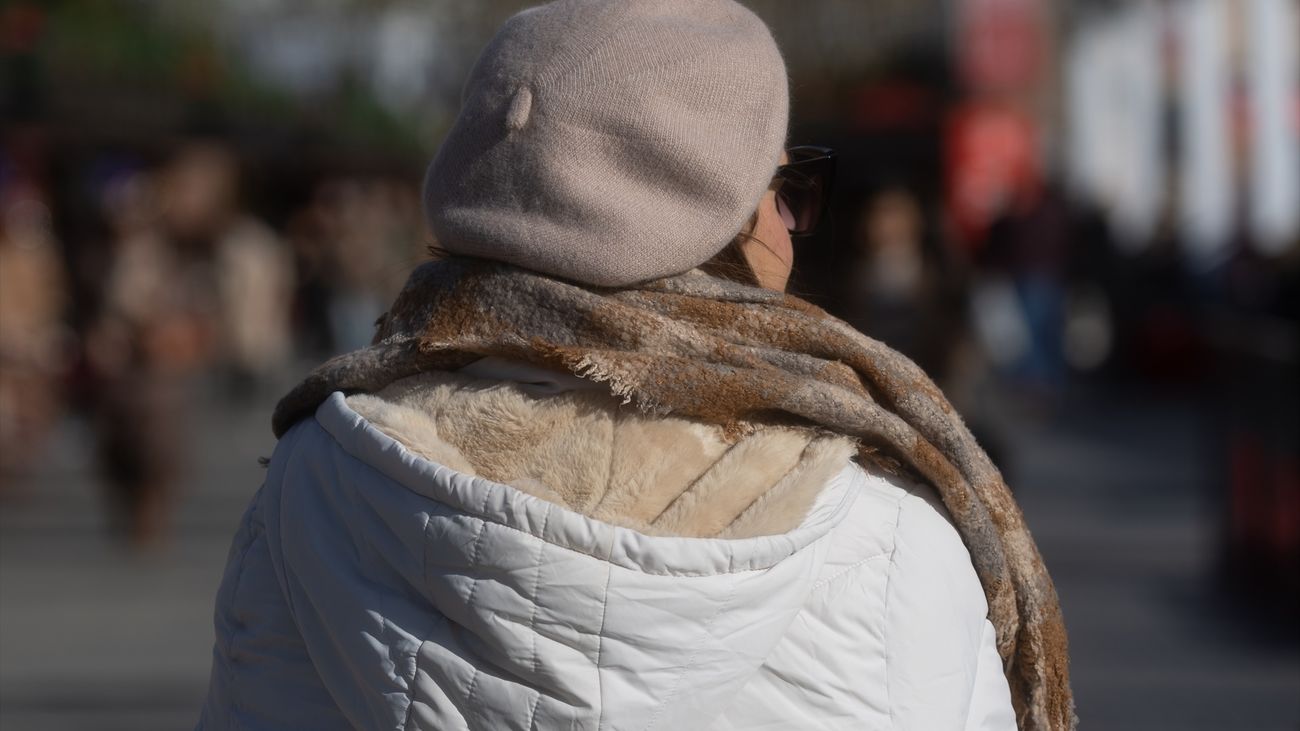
(731, 264)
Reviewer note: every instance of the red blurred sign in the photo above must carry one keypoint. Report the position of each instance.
(992, 163)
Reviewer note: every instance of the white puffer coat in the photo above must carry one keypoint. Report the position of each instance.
(369, 587)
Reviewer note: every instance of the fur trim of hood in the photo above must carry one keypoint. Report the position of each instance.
(585, 451)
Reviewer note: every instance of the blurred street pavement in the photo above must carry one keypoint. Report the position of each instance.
(92, 636)
(1120, 492)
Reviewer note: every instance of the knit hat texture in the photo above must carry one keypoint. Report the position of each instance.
(611, 142)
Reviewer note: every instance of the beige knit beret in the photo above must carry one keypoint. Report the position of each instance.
(612, 141)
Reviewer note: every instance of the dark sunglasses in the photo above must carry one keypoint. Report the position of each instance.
(803, 187)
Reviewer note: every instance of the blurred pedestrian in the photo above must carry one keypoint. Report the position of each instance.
(598, 470)
(1029, 248)
(251, 278)
(904, 287)
(148, 334)
(33, 335)
(354, 245)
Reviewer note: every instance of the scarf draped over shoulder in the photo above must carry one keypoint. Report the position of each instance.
(701, 347)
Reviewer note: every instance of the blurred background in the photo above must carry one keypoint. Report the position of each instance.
(1082, 218)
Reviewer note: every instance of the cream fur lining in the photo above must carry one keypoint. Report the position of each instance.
(581, 449)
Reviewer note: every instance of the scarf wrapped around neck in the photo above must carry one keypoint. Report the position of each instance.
(701, 347)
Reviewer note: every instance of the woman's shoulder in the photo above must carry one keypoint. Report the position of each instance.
(898, 620)
(899, 530)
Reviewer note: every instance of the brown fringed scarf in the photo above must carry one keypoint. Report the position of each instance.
(710, 349)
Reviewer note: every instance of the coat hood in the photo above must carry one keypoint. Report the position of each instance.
(545, 617)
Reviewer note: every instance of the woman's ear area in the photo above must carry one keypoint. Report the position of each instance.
(765, 241)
